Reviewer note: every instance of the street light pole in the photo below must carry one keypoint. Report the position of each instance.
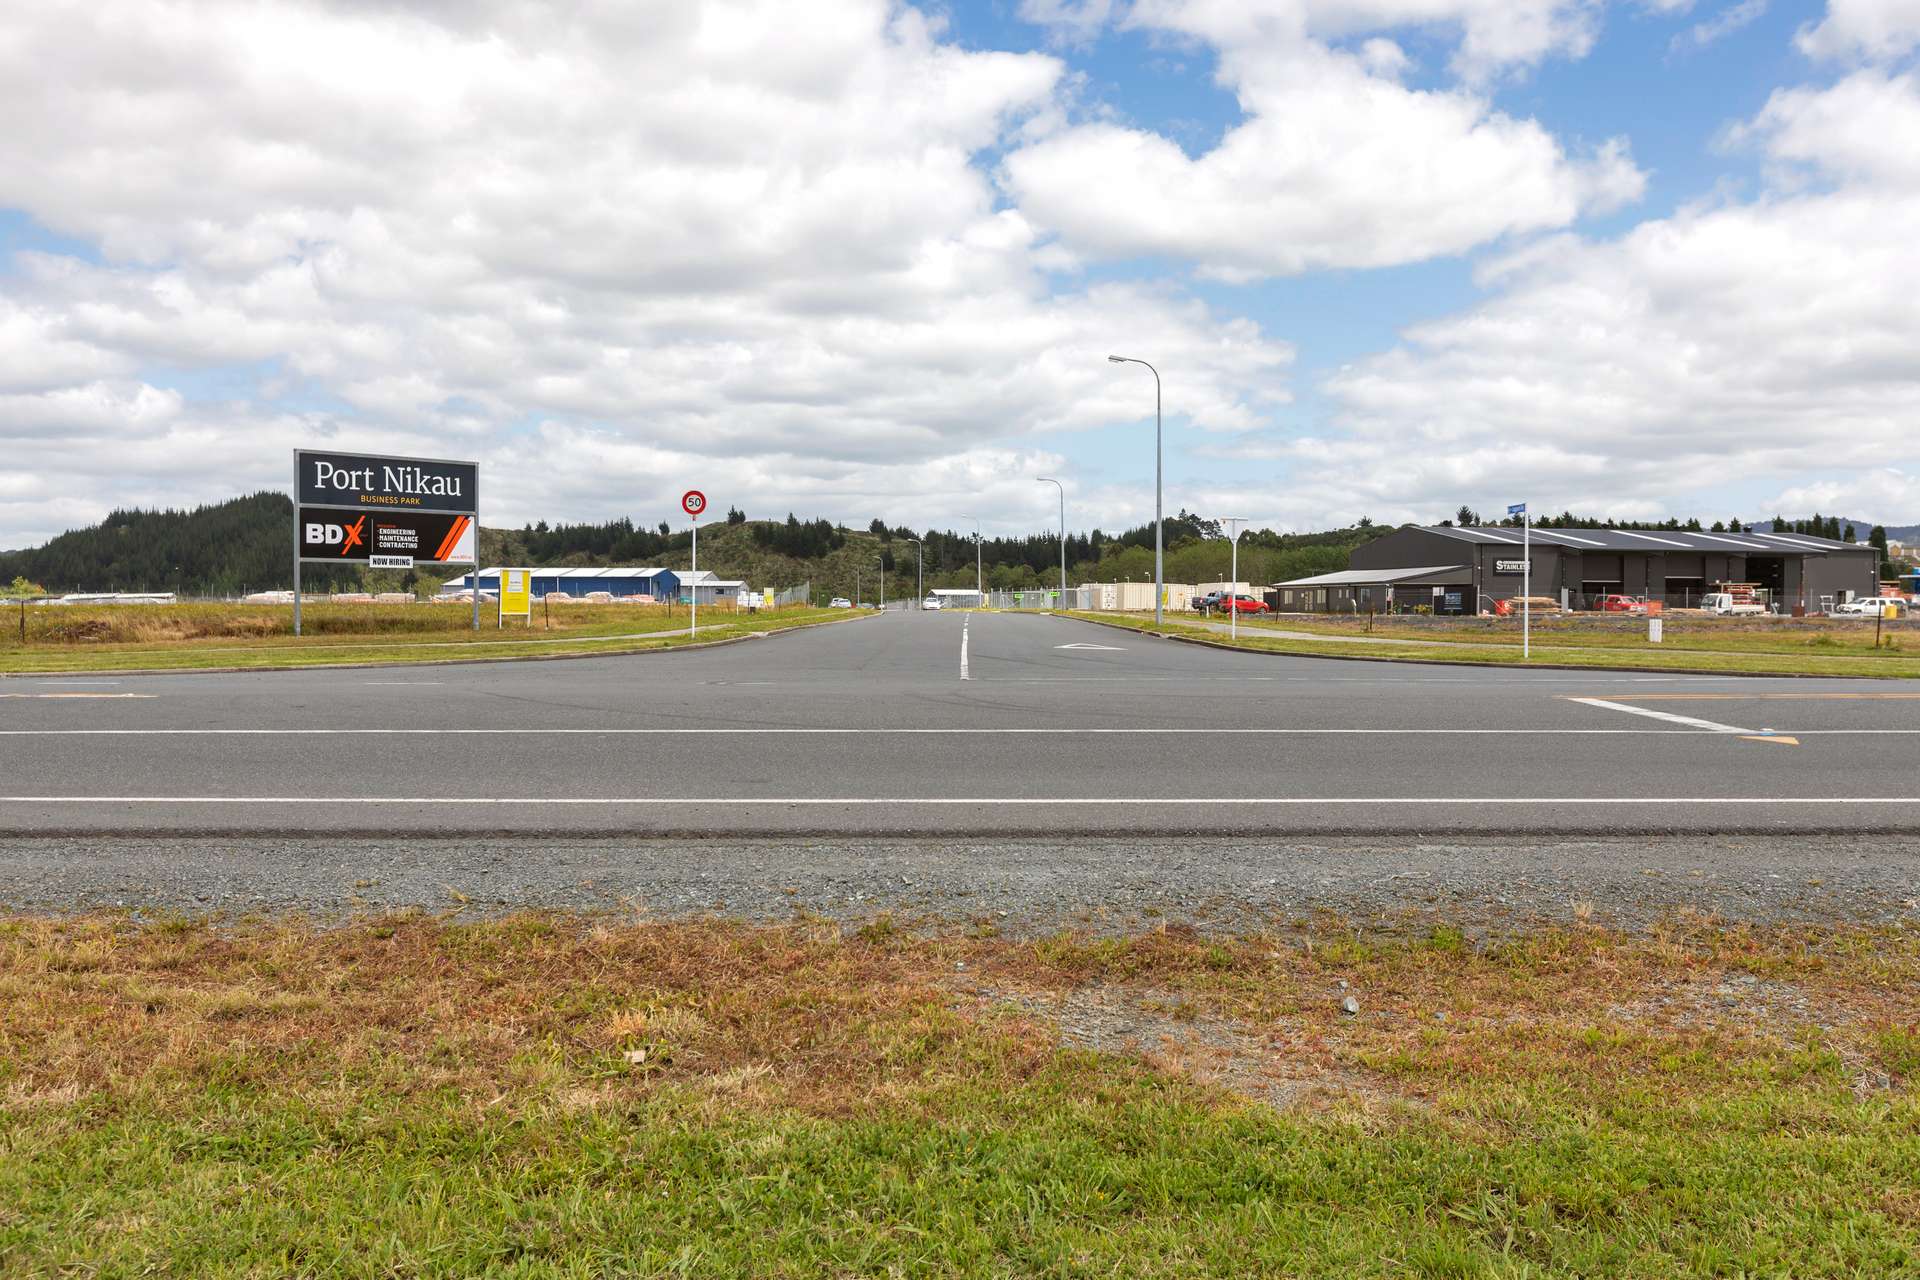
(979, 579)
(1233, 575)
(1063, 533)
(1159, 586)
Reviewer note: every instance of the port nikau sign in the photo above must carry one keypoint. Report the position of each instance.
(384, 512)
(368, 483)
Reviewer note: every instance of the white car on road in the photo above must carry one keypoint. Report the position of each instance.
(931, 602)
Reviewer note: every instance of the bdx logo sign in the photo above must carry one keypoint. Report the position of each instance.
(344, 536)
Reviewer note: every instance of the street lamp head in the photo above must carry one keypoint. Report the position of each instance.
(1118, 359)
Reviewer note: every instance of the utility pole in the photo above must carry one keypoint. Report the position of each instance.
(1159, 584)
(1063, 533)
(979, 579)
(919, 573)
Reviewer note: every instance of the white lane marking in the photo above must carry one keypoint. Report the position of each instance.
(878, 732)
(881, 732)
(402, 684)
(1711, 726)
(964, 624)
(1101, 648)
(867, 801)
(19, 696)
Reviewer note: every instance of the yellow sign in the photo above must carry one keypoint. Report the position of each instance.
(516, 595)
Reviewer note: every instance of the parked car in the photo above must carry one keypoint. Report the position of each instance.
(1872, 607)
(1207, 603)
(1241, 604)
(839, 602)
(931, 602)
(1725, 605)
(1620, 604)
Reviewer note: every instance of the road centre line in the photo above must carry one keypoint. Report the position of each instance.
(1141, 731)
(965, 623)
(459, 802)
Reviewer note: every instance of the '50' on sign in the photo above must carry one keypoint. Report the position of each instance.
(693, 502)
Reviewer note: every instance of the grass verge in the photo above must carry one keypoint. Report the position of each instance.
(553, 1096)
(1784, 661)
(197, 637)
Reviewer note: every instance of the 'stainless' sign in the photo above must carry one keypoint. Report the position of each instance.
(373, 483)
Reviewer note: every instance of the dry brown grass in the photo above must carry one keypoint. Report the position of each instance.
(811, 1018)
(184, 623)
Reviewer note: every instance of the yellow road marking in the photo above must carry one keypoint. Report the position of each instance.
(1771, 737)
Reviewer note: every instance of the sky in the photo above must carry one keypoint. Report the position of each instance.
(861, 259)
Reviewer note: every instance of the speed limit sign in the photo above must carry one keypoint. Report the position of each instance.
(693, 502)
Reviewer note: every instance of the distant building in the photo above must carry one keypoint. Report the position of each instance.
(706, 588)
(661, 584)
(1466, 569)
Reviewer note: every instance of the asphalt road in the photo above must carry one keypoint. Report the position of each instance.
(956, 724)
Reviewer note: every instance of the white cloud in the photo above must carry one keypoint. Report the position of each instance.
(736, 234)
(1869, 29)
(1337, 163)
(1867, 496)
(1493, 35)
(1734, 17)
(1862, 130)
(1738, 348)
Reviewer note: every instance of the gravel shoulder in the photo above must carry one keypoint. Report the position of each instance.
(1018, 886)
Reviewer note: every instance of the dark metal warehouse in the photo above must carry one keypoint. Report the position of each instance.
(1467, 569)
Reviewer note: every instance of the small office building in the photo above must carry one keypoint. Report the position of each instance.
(1466, 569)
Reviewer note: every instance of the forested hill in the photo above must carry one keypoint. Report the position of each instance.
(244, 543)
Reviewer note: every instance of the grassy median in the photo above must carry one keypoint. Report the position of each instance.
(560, 1096)
(199, 636)
(1782, 650)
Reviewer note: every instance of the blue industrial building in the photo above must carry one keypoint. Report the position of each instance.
(661, 584)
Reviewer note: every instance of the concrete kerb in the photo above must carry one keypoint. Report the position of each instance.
(432, 662)
(1507, 666)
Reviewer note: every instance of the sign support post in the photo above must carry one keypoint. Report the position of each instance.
(1526, 580)
(476, 550)
(693, 502)
(1233, 577)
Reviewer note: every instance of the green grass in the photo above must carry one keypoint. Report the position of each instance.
(189, 637)
(558, 1097)
(1787, 659)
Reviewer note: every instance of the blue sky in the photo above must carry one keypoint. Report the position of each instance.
(1628, 258)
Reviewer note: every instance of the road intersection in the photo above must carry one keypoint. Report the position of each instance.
(945, 723)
